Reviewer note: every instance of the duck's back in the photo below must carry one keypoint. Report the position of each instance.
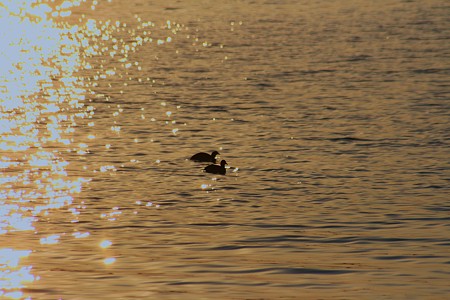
(215, 169)
(205, 157)
(202, 156)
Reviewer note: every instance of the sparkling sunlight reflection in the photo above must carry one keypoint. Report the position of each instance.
(44, 51)
(41, 99)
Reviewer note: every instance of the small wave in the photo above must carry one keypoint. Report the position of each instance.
(431, 71)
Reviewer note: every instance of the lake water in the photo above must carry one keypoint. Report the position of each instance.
(334, 116)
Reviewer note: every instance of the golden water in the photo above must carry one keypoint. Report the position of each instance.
(334, 116)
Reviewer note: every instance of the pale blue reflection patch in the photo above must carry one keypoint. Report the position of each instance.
(105, 244)
(109, 260)
(13, 276)
(11, 257)
(12, 295)
(80, 235)
(12, 218)
(50, 240)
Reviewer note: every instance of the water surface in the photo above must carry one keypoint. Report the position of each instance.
(334, 116)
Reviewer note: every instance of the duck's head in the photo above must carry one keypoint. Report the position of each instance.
(223, 163)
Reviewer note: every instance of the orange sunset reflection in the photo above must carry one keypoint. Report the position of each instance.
(48, 73)
(42, 98)
(51, 62)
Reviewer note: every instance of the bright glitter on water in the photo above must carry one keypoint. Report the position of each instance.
(50, 240)
(105, 244)
(80, 235)
(109, 260)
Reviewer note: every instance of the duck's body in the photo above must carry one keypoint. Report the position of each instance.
(205, 157)
(215, 169)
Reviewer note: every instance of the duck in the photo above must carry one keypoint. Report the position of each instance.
(215, 169)
(205, 157)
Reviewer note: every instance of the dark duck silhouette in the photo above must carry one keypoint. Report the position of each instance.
(215, 169)
(205, 157)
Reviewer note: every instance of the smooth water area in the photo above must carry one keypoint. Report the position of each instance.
(333, 116)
